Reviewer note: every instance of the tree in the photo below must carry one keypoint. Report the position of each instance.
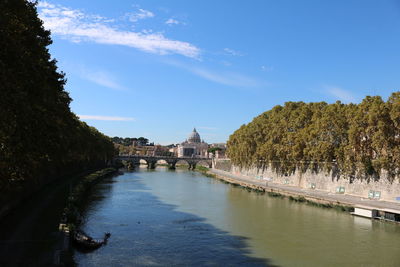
(39, 135)
(213, 149)
(358, 141)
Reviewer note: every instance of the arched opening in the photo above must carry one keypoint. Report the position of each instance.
(182, 164)
(161, 163)
(143, 163)
(204, 163)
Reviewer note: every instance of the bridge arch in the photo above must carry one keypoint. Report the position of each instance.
(172, 161)
(205, 163)
(180, 161)
(186, 162)
(143, 160)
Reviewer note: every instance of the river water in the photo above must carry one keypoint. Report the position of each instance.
(170, 218)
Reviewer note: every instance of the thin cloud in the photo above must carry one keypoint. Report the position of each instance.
(341, 94)
(232, 52)
(210, 135)
(225, 78)
(207, 128)
(102, 78)
(105, 118)
(172, 22)
(76, 26)
(226, 63)
(140, 14)
(266, 68)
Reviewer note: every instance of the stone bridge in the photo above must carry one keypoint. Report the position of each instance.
(171, 161)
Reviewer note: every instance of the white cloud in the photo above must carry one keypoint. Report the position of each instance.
(101, 78)
(172, 21)
(76, 26)
(104, 118)
(225, 78)
(44, 4)
(341, 94)
(232, 52)
(140, 14)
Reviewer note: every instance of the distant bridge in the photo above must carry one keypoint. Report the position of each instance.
(171, 161)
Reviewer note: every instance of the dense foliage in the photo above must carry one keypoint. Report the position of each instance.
(354, 141)
(128, 141)
(213, 149)
(39, 136)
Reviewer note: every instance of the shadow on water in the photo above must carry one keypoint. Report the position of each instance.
(148, 232)
(29, 234)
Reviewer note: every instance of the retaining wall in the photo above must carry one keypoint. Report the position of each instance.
(382, 189)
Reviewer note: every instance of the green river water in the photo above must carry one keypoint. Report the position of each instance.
(170, 218)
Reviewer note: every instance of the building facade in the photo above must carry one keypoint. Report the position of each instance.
(193, 147)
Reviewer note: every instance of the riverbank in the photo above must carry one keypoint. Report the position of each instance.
(71, 218)
(79, 193)
(30, 233)
(300, 194)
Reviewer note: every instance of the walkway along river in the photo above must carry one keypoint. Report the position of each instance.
(165, 218)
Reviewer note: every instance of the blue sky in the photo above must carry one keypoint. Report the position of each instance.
(159, 68)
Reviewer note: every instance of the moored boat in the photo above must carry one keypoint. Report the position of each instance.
(82, 240)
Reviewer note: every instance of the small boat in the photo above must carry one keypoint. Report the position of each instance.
(82, 240)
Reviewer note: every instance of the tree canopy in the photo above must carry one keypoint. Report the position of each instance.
(128, 141)
(39, 135)
(353, 140)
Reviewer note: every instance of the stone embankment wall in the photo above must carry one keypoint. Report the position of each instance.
(222, 164)
(382, 189)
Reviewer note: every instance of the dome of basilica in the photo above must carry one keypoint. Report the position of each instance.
(194, 137)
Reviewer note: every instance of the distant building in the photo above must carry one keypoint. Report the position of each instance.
(193, 147)
(174, 150)
(219, 152)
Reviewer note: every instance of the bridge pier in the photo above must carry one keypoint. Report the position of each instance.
(151, 164)
(192, 165)
(171, 164)
(130, 166)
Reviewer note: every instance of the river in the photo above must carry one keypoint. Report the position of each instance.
(169, 218)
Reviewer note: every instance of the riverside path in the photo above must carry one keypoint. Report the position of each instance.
(314, 194)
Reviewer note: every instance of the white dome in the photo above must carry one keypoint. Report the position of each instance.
(194, 137)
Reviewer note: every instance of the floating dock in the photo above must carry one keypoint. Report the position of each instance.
(374, 213)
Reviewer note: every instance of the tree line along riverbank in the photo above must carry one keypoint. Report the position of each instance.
(41, 139)
(355, 141)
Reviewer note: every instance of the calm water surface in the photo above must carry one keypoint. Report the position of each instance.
(164, 218)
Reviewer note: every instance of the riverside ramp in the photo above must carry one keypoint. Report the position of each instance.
(314, 195)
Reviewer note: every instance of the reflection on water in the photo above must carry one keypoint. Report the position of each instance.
(183, 218)
(363, 223)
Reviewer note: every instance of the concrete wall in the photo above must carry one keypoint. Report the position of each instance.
(382, 189)
(222, 164)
